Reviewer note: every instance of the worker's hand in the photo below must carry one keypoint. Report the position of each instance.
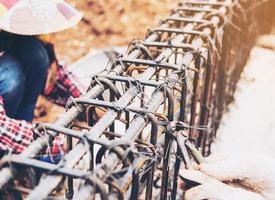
(254, 172)
(52, 76)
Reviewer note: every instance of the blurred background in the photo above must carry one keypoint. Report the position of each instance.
(109, 23)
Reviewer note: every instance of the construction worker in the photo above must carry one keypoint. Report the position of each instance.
(28, 66)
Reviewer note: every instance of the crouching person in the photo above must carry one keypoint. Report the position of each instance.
(28, 67)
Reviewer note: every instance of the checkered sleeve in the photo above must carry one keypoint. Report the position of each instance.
(65, 86)
(15, 135)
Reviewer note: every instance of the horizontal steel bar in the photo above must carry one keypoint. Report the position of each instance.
(111, 105)
(75, 134)
(151, 63)
(187, 20)
(50, 168)
(133, 80)
(195, 9)
(179, 31)
(169, 45)
(208, 3)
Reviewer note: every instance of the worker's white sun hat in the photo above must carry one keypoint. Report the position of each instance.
(37, 17)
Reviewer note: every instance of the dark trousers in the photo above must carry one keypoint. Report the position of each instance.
(23, 73)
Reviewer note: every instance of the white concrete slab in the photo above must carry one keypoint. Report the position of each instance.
(93, 63)
(250, 124)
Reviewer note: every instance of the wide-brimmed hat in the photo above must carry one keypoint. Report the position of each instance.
(37, 17)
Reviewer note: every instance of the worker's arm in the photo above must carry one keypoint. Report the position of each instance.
(62, 85)
(17, 135)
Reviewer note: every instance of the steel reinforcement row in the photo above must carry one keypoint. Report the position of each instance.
(162, 102)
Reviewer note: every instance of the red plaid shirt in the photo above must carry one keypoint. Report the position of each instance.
(16, 135)
(65, 86)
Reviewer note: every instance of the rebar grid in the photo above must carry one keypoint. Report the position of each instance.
(163, 99)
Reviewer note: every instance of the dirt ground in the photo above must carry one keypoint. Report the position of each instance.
(109, 23)
(105, 23)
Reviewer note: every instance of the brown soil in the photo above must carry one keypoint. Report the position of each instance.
(105, 23)
(108, 23)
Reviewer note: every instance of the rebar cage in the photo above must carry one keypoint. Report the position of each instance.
(162, 101)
